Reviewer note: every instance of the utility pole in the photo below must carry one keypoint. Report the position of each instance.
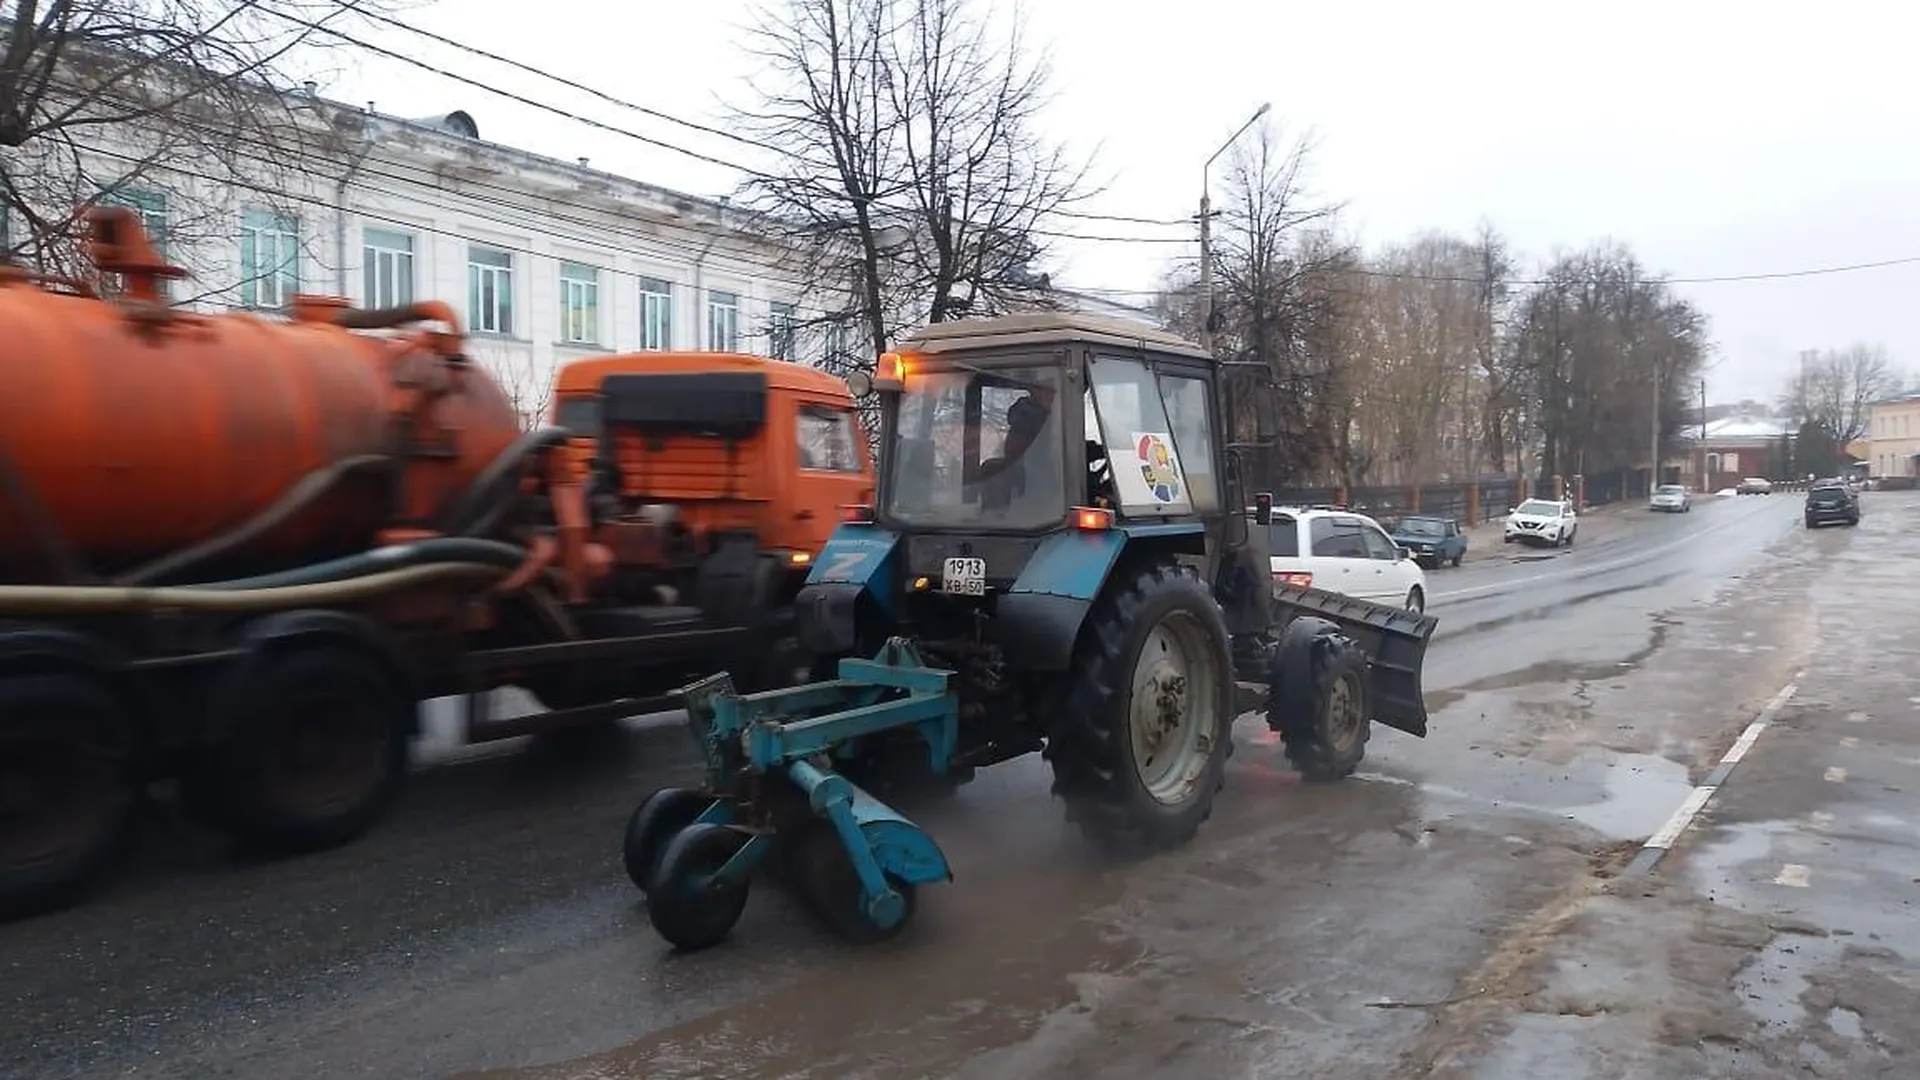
(1206, 229)
(1653, 474)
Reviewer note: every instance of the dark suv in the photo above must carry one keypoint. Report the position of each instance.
(1832, 500)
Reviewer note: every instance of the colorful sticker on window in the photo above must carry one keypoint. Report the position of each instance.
(1157, 465)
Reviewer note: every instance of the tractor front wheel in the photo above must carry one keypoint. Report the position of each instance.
(1142, 734)
(1319, 702)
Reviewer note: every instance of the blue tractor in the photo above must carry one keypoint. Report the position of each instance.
(1087, 583)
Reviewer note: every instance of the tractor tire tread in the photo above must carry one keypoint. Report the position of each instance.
(1297, 713)
(1085, 747)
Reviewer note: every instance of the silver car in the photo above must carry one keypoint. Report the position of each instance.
(1672, 499)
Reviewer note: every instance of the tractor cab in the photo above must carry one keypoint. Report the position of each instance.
(1025, 455)
(1013, 424)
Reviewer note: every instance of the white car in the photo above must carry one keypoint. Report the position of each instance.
(1672, 498)
(1542, 521)
(1339, 551)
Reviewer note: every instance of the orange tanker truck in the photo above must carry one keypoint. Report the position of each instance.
(240, 552)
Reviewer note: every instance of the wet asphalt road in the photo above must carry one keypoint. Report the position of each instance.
(1456, 910)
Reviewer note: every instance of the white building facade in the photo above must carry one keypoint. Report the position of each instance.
(544, 260)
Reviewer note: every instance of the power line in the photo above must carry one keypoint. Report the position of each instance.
(651, 140)
(1710, 279)
(703, 245)
(692, 125)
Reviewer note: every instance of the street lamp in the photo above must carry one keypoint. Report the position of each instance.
(1206, 229)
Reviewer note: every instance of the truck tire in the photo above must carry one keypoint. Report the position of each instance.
(67, 790)
(1157, 632)
(1319, 702)
(316, 751)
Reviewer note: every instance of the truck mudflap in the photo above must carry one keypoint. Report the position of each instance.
(1394, 639)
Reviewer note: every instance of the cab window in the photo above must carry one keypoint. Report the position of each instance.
(1190, 414)
(580, 414)
(1147, 466)
(827, 440)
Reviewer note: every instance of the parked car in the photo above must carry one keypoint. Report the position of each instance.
(1340, 551)
(1433, 540)
(1832, 500)
(1542, 521)
(1754, 485)
(1672, 499)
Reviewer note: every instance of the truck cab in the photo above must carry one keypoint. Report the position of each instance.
(720, 444)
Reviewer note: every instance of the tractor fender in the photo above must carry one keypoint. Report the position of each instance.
(261, 638)
(1293, 660)
(858, 561)
(1038, 620)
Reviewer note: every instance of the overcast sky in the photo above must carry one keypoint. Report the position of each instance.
(1715, 138)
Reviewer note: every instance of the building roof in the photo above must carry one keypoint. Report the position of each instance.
(1743, 429)
(1907, 397)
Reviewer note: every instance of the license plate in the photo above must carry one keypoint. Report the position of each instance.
(964, 576)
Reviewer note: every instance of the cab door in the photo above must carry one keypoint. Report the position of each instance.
(831, 469)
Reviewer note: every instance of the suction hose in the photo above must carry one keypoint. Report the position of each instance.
(113, 599)
(356, 577)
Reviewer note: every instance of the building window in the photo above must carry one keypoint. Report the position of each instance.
(579, 304)
(269, 259)
(656, 315)
(780, 332)
(490, 290)
(723, 322)
(839, 342)
(152, 208)
(387, 265)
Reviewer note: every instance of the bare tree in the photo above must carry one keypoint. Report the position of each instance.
(527, 387)
(1285, 284)
(912, 172)
(151, 103)
(1837, 388)
(1593, 345)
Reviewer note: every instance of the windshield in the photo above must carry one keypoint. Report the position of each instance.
(1538, 508)
(978, 448)
(1420, 527)
(1670, 489)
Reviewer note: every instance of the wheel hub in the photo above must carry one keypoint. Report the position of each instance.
(1171, 709)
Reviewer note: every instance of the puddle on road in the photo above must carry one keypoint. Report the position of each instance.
(1621, 796)
(1642, 791)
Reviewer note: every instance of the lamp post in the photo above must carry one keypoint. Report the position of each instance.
(1206, 230)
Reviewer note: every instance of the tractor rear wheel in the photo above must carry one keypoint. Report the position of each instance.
(1142, 733)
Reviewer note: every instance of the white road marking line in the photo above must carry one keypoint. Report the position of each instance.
(1660, 842)
(1793, 875)
(1681, 818)
(1836, 774)
(1858, 717)
(1848, 742)
(1821, 821)
(1743, 744)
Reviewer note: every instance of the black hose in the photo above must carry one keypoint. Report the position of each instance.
(479, 508)
(300, 496)
(442, 549)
